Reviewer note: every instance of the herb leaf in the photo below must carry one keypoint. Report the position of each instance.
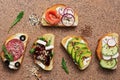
(41, 38)
(32, 51)
(7, 55)
(63, 63)
(48, 43)
(18, 18)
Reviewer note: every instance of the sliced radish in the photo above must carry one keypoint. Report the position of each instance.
(106, 57)
(68, 11)
(68, 19)
(111, 42)
(60, 10)
(115, 56)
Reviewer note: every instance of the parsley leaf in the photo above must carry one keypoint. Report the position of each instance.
(63, 63)
(41, 38)
(18, 18)
(7, 55)
(48, 43)
(32, 51)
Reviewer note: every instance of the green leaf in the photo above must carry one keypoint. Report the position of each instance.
(48, 43)
(7, 55)
(63, 63)
(51, 54)
(32, 51)
(41, 38)
(18, 18)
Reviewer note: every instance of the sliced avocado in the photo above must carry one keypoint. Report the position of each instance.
(73, 54)
(81, 48)
(109, 51)
(71, 44)
(84, 59)
(108, 64)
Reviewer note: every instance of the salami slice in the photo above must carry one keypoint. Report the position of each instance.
(16, 48)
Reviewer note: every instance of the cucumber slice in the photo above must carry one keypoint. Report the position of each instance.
(108, 64)
(109, 51)
(84, 60)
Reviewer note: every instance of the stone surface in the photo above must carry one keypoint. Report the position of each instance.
(96, 17)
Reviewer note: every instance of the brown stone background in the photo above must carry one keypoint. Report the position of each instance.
(96, 17)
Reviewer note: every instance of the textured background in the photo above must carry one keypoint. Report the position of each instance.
(96, 17)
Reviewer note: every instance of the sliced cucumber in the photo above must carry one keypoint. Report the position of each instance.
(108, 64)
(109, 51)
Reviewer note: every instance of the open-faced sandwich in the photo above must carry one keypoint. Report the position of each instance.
(60, 15)
(13, 50)
(77, 48)
(107, 51)
(42, 51)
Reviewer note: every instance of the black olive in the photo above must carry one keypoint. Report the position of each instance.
(7, 62)
(22, 37)
(17, 64)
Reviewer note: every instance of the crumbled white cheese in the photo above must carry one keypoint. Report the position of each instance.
(41, 42)
(40, 64)
(49, 47)
(12, 65)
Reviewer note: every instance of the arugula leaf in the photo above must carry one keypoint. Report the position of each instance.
(7, 55)
(18, 18)
(63, 63)
(32, 51)
(48, 43)
(51, 54)
(41, 38)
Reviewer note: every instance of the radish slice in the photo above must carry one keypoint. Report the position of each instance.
(68, 19)
(106, 57)
(111, 42)
(60, 10)
(68, 11)
(115, 56)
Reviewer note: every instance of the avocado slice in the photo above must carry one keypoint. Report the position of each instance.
(108, 64)
(84, 59)
(71, 44)
(82, 48)
(109, 51)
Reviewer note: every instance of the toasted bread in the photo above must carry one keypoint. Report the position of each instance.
(77, 48)
(107, 43)
(56, 16)
(19, 39)
(48, 38)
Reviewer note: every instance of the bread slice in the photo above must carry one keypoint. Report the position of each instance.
(77, 48)
(39, 58)
(15, 44)
(107, 49)
(59, 15)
